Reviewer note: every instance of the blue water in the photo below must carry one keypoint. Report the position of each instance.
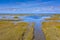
(39, 35)
(34, 17)
(38, 20)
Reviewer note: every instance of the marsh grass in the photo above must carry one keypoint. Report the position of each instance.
(30, 33)
(51, 30)
(11, 31)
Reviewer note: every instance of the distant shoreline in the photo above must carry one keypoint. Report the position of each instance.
(27, 13)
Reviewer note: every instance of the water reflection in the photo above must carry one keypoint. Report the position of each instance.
(34, 17)
(37, 19)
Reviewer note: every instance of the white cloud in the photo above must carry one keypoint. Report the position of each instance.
(34, 7)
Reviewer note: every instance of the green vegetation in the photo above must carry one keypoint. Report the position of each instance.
(29, 35)
(51, 30)
(54, 17)
(11, 31)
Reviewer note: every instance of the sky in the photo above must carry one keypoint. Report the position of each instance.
(29, 6)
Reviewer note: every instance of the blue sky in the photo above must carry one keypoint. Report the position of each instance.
(29, 6)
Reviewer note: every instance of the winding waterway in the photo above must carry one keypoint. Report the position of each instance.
(38, 33)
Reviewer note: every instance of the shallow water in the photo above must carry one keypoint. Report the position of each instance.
(38, 33)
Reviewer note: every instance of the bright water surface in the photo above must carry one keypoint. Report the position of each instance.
(38, 20)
